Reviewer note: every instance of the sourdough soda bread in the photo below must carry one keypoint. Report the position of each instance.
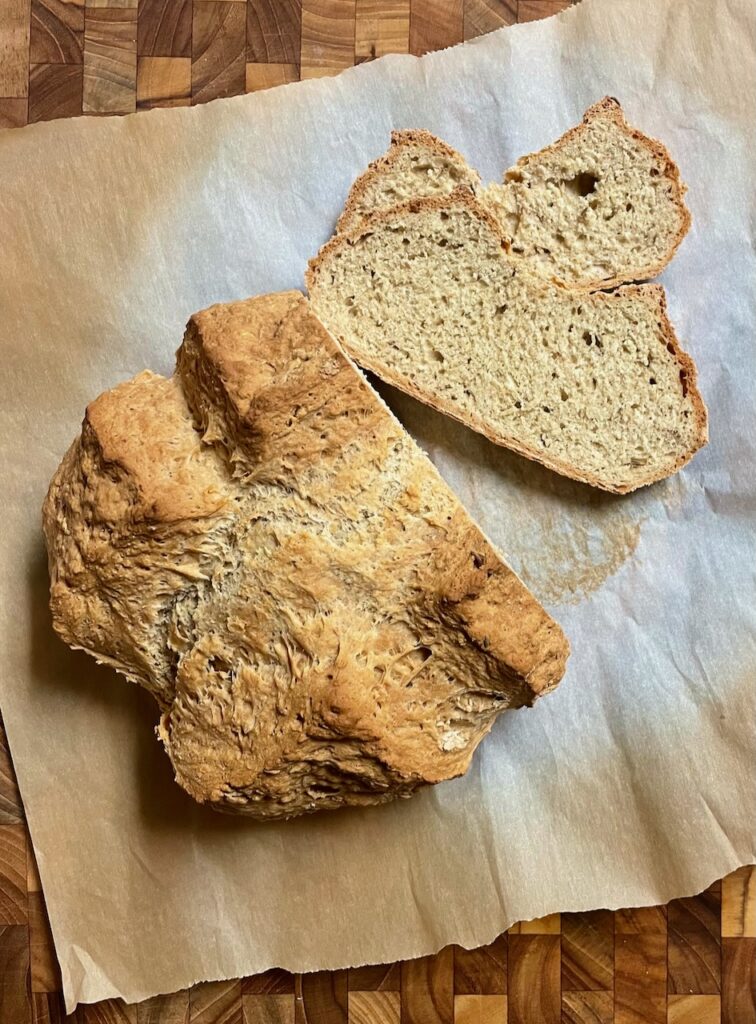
(601, 206)
(260, 544)
(592, 385)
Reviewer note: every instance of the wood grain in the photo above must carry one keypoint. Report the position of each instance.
(45, 974)
(13, 875)
(55, 90)
(428, 989)
(216, 1002)
(164, 28)
(739, 903)
(374, 1008)
(110, 60)
(534, 10)
(738, 980)
(274, 982)
(533, 991)
(273, 31)
(640, 978)
(479, 1009)
(377, 978)
(321, 998)
(11, 808)
(268, 76)
(435, 25)
(481, 16)
(381, 27)
(549, 925)
(13, 114)
(693, 1010)
(164, 82)
(218, 49)
(14, 48)
(57, 32)
(481, 971)
(109, 1011)
(328, 28)
(262, 1008)
(170, 1009)
(15, 1001)
(588, 951)
(694, 953)
(587, 1007)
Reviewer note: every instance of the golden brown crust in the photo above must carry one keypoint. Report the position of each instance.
(610, 109)
(651, 293)
(400, 141)
(259, 543)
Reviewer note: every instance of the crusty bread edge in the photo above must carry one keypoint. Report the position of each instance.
(400, 140)
(653, 292)
(610, 108)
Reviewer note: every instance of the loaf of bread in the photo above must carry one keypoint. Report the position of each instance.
(602, 206)
(259, 543)
(592, 385)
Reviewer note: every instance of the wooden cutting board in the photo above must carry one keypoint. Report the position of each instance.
(691, 962)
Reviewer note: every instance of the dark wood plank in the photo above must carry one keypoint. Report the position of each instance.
(47, 1008)
(375, 978)
(109, 1011)
(55, 90)
(11, 808)
(268, 1008)
(110, 60)
(588, 951)
(218, 49)
(216, 1002)
(15, 999)
(274, 982)
(739, 980)
(694, 953)
(375, 1008)
(321, 998)
(481, 16)
(640, 978)
(168, 1009)
(57, 32)
(273, 31)
(13, 874)
(534, 10)
(165, 28)
(592, 1007)
(533, 991)
(428, 989)
(641, 921)
(45, 972)
(14, 62)
(434, 25)
(481, 971)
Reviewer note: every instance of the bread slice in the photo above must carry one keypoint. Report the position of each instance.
(602, 206)
(416, 164)
(594, 386)
(260, 544)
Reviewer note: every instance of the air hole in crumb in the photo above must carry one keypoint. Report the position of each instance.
(563, 394)
(514, 176)
(438, 356)
(684, 382)
(501, 309)
(670, 348)
(654, 172)
(477, 560)
(652, 380)
(582, 184)
(405, 241)
(628, 206)
(518, 404)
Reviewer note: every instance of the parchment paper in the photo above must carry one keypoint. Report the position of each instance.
(633, 783)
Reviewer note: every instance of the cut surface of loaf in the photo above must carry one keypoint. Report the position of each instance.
(258, 542)
(602, 206)
(594, 386)
(415, 164)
